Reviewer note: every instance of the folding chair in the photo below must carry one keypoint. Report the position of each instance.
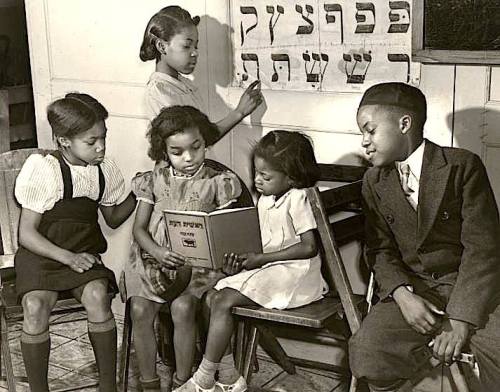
(165, 330)
(10, 309)
(324, 321)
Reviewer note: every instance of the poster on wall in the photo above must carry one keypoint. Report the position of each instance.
(337, 46)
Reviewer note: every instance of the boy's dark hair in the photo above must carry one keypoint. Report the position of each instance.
(291, 153)
(74, 114)
(176, 119)
(164, 25)
(398, 95)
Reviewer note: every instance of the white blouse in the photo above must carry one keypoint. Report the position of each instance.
(163, 90)
(39, 184)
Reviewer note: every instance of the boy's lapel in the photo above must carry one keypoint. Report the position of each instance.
(392, 197)
(433, 181)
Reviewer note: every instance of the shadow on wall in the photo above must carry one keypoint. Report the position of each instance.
(246, 133)
(468, 127)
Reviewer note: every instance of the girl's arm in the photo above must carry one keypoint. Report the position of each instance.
(117, 214)
(146, 242)
(249, 101)
(305, 249)
(31, 239)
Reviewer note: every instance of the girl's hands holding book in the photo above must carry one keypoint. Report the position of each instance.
(231, 264)
(251, 260)
(169, 258)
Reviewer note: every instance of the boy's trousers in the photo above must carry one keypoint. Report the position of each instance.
(386, 347)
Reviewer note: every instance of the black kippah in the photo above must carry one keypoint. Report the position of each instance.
(395, 94)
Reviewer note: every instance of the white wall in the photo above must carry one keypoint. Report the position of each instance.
(92, 46)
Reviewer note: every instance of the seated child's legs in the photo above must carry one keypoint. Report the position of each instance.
(221, 321)
(35, 342)
(218, 353)
(184, 310)
(101, 329)
(143, 313)
(383, 349)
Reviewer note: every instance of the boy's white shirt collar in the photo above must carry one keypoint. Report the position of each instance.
(415, 161)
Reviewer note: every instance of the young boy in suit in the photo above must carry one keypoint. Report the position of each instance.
(433, 240)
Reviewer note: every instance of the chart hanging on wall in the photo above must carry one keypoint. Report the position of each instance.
(340, 46)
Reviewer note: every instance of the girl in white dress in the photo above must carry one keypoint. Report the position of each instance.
(288, 272)
(171, 39)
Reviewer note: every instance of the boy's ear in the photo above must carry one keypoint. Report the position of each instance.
(405, 122)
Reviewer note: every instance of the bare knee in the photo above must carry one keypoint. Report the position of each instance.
(223, 301)
(96, 301)
(36, 313)
(183, 309)
(142, 311)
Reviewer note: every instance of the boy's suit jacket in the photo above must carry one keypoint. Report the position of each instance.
(453, 239)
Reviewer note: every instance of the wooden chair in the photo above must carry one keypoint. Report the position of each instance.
(10, 309)
(165, 332)
(331, 320)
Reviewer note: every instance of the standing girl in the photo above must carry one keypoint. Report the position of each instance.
(286, 275)
(60, 238)
(179, 181)
(171, 39)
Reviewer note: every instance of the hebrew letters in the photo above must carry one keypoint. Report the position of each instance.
(362, 11)
(248, 11)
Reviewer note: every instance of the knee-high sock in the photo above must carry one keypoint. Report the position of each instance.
(36, 349)
(103, 338)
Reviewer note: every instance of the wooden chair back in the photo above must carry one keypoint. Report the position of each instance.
(11, 163)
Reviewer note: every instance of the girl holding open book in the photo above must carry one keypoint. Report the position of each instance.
(178, 138)
(288, 272)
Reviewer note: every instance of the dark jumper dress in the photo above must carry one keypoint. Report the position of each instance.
(71, 224)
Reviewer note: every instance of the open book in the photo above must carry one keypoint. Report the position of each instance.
(204, 237)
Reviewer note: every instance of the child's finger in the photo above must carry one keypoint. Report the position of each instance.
(252, 86)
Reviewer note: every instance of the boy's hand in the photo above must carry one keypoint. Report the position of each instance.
(251, 260)
(169, 258)
(81, 262)
(231, 264)
(417, 311)
(449, 342)
(250, 99)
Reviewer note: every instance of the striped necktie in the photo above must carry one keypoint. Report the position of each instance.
(405, 171)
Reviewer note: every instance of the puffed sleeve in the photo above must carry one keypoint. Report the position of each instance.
(39, 183)
(301, 212)
(157, 98)
(142, 186)
(115, 184)
(228, 189)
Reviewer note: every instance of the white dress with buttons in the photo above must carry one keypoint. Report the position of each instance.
(287, 283)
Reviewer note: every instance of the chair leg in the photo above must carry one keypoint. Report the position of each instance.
(272, 347)
(240, 345)
(125, 349)
(5, 349)
(251, 348)
(458, 378)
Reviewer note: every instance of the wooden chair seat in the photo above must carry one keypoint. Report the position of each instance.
(313, 315)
